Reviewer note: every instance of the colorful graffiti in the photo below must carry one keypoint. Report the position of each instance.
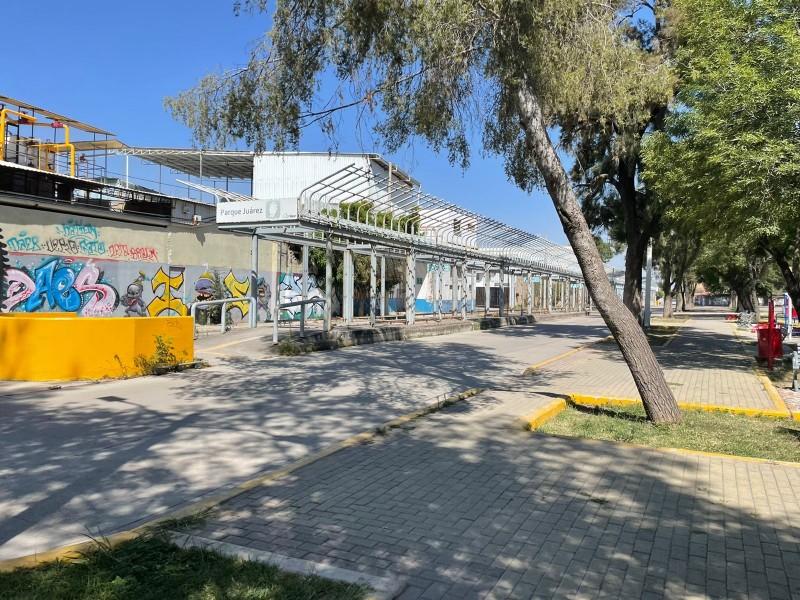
(290, 289)
(167, 301)
(79, 238)
(61, 284)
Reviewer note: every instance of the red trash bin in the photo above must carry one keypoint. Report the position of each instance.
(763, 341)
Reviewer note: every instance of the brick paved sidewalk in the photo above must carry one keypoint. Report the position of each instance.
(466, 505)
(707, 363)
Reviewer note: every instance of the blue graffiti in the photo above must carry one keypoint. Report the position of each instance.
(55, 285)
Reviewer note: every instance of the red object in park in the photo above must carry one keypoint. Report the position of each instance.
(770, 343)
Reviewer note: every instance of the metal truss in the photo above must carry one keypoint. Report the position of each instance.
(360, 210)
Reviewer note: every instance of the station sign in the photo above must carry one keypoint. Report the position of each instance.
(256, 211)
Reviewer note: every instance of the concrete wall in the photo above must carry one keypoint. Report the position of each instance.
(98, 267)
(66, 347)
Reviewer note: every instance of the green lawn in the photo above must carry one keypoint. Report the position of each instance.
(150, 568)
(725, 433)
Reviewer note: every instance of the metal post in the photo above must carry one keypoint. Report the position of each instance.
(411, 286)
(549, 293)
(347, 292)
(487, 289)
(502, 292)
(254, 279)
(384, 308)
(463, 272)
(328, 285)
(646, 317)
(437, 292)
(454, 288)
(304, 292)
(275, 295)
(512, 291)
(373, 286)
(530, 293)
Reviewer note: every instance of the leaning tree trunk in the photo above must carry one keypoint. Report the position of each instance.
(659, 402)
(668, 305)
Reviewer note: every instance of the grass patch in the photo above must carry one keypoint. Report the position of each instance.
(725, 433)
(151, 568)
(659, 335)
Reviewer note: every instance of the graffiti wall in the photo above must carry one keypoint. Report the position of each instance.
(98, 268)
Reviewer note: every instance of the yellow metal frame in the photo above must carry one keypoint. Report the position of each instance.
(3, 120)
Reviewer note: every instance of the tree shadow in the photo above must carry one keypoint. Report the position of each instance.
(461, 509)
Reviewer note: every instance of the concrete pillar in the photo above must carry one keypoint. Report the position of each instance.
(530, 293)
(437, 292)
(275, 300)
(502, 293)
(463, 286)
(454, 288)
(411, 286)
(326, 323)
(487, 275)
(512, 291)
(304, 291)
(253, 279)
(347, 285)
(384, 307)
(373, 286)
(549, 293)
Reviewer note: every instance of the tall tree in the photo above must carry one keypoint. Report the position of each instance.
(438, 69)
(608, 159)
(732, 148)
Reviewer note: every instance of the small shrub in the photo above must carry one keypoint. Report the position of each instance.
(162, 358)
(289, 347)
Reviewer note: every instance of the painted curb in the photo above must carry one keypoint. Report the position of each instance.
(587, 400)
(383, 588)
(544, 414)
(75, 551)
(767, 461)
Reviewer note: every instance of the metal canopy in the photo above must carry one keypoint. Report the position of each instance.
(200, 163)
(53, 116)
(357, 206)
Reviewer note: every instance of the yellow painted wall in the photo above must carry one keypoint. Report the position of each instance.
(67, 348)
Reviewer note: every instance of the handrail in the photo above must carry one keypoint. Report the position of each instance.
(223, 319)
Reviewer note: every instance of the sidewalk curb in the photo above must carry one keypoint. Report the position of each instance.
(768, 461)
(383, 588)
(74, 551)
(544, 414)
(587, 400)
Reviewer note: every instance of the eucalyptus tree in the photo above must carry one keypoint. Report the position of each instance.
(439, 71)
(731, 149)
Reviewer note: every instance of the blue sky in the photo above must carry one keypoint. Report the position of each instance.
(111, 64)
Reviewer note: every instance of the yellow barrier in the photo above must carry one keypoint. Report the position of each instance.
(61, 346)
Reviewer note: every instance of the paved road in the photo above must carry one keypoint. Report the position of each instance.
(101, 458)
(465, 505)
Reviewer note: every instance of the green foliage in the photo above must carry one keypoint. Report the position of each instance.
(435, 70)
(212, 315)
(151, 568)
(607, 250)
(289, 347)
(362, 211)
(163, 357)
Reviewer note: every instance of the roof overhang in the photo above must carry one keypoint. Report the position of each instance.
(232, 164)
(5, 100)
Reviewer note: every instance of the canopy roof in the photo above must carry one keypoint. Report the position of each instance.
(35, 110)
(200, 163)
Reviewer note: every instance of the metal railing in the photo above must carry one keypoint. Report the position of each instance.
(223, 317)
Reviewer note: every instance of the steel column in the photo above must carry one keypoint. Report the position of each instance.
(304, 294)
(275, 300)
(487, 289)
(463, 286)
(254, 280)
(347, 292)
(454, 288)
(502, 292)
(328, 285)
(373, 286)
(530, 292)
(384, 309)
(411, 286)
(437, 292)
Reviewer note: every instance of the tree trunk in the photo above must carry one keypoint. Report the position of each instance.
(789, 276)
(668, 305)
(635, 242)
(659, 402)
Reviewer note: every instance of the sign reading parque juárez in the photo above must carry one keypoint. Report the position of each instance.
(247, 211)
